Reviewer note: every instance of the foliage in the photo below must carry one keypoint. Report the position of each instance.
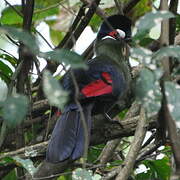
(14, 109)
(5, 71)
(25, 163)
(53, 91)
(83, 174)
(159, 169)
(148, 21)
(64, 56)
(148, 87)
(148, 91)
(18, 107)
(173, 101)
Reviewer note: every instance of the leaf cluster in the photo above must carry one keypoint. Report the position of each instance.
(18, 109)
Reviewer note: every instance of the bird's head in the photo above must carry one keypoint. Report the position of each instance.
(115, 27)
(114, 32)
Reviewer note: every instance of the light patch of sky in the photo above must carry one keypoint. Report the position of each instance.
(84, 40)
(3, 90)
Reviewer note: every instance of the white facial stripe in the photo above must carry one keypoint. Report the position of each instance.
(108, 37)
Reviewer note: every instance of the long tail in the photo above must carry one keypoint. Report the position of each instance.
(67, 140)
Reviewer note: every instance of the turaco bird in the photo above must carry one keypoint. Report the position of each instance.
(105, 81)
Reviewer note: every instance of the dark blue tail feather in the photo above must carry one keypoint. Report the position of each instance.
(67, 140)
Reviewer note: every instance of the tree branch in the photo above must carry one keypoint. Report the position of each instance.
(135, 147)
(80, 14)
(171, 126)
(115, 132)
(130, 5)
(26, 57)
(172, 22)
(129, 162)
(84, 22)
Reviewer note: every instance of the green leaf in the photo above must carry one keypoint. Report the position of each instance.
(42, 13)
(26, 163)
(53, 91)
(10, 17)
(159, 169)
(6, 160)
(149, 20)
(79, 174)
(94, 152)
(5, 69)
(42, 3)
(178, 23)
(5, 72)
(141, 8)
(65, 56)
(170, 51)
(144, 176)
(11, 175)
(172, 91)
(55, 34)
(14, 110)
(22, 36)
(146, 41)
(143, 55)
(148, 91)
(9, 58)
(95, 22)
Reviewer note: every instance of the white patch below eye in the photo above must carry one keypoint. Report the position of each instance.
(108, 37)
(121, 33)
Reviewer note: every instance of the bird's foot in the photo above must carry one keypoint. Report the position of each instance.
(110, 120)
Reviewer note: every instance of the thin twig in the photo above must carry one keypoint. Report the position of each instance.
(12, 41)
(108, 151)
(52, 176)
(149, 139)
(48, 124)
(45, 40)
(72, 28)
(67, 9)
(130, 5)
(18, 12)
(82, 118)
(21, 15)
(8, 53)
(27, 151)
(119, 6)
(147, 151)
(84, 22)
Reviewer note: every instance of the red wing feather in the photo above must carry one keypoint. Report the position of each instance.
(98, 87)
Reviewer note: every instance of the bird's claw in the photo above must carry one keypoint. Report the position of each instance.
(110, 120)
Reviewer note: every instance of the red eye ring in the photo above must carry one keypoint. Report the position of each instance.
(113, 34)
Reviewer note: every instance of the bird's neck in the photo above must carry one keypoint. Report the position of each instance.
(110, 48)
(114, 50)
